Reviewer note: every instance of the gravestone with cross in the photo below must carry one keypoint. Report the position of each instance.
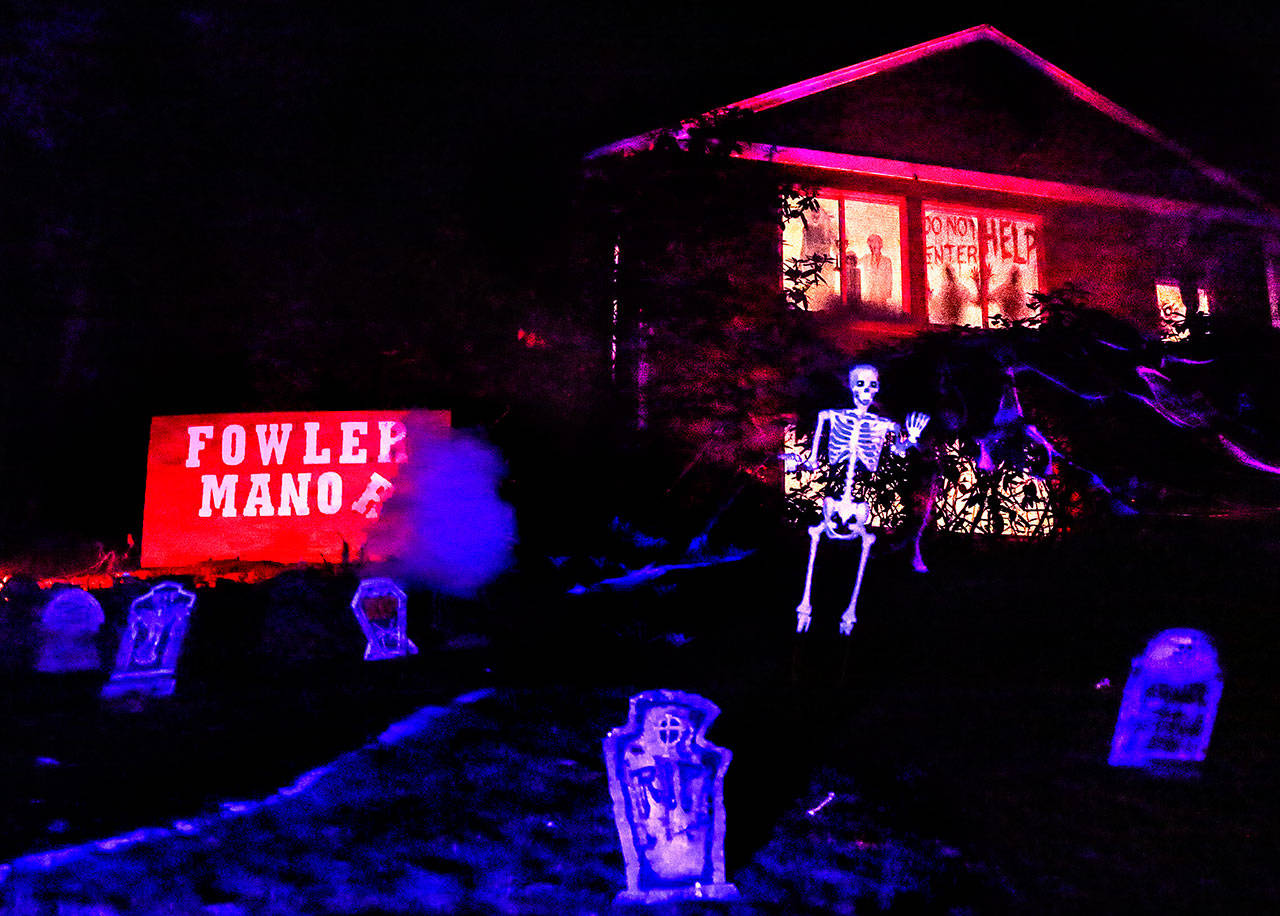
(147, 661)
(666, 781)
(380, 609)
(68, 632)
(1170, 701)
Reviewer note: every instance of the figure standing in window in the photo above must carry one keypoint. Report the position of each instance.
(1009, 298)
(949, 304)
(877, 274)
(822, 237)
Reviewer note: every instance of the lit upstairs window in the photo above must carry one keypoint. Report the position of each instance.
(1173, 311)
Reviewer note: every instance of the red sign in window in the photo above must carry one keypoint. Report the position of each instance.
(284, 487)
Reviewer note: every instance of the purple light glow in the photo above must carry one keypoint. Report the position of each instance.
(454, 533)
(1015, 370)
(1167, 403)
(1185, 412)
(1245, 458)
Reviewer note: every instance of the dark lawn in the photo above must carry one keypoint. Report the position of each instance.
(961, 736)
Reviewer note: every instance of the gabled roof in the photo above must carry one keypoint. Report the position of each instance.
(896, 61)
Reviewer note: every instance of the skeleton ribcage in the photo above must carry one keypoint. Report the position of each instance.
(863, 438)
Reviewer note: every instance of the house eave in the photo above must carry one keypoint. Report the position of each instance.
(947, 176)
(886, 62)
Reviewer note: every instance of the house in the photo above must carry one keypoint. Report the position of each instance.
(935, 186)
(941, 184)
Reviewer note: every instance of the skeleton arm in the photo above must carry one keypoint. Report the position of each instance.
(824, 419)
(811, 463)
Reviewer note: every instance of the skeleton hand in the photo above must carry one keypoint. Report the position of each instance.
(916, 422)
(847, 620)
(803, 616)
(793, 462)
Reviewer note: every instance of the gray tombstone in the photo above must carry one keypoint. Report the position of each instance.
(68, 632)
(147, 661)
(1170, 701)
(667, 784)
(380, 609)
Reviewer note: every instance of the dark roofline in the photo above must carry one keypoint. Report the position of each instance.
(891, 61)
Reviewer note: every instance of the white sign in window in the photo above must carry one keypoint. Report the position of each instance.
(980, 265)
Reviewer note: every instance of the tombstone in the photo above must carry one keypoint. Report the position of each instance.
(68, 632)
(667, 785)
(1170, 702)
(379, 606)
(152, 642)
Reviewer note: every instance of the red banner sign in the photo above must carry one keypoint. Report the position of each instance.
(284, 487)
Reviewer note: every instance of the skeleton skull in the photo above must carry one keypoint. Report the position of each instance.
(864, 383)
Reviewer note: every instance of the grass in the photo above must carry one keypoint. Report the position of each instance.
(958, 741)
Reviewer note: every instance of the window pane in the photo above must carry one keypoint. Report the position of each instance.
(980, 262)
(818, 234)
(1173, 311)
(952, 267)
(873, 236)
(1011, 258)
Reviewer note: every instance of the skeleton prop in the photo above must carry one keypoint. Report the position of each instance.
(857, 436)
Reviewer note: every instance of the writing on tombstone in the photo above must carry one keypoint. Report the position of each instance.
(380, 609)
(667, 784)
(1170, 701)
(147, 660)
(69, 624)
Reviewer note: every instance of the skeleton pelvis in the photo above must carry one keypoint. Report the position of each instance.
(844, 518)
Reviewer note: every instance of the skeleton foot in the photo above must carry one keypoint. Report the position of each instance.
(850, 616)
(804, 614)
(804, 610)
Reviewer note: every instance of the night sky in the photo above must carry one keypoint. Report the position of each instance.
(315, 205)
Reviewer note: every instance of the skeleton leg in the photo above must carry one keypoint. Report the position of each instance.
(804, 610)
(850, 616)
(917, 561)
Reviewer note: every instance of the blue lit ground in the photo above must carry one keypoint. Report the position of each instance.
(965, 748)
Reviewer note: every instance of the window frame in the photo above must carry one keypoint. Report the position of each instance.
(980, 215)
(901, 269)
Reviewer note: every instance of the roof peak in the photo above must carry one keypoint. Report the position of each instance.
(962, 38)
(892, 60)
